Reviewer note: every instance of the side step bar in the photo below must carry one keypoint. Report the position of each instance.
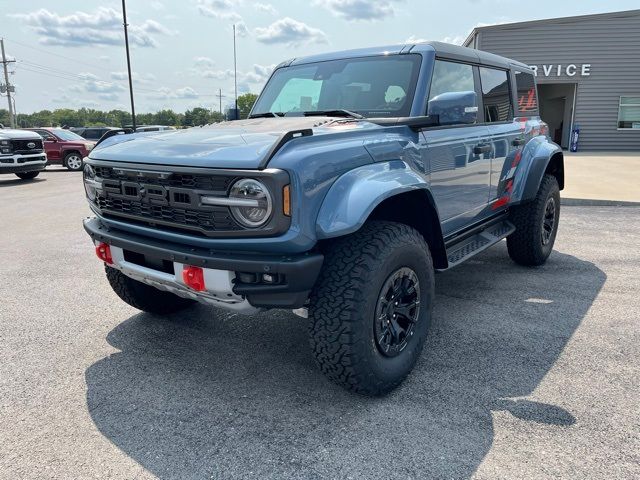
(468, 247)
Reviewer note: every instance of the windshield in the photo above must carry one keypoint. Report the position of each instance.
(66, 134)
(371, 86)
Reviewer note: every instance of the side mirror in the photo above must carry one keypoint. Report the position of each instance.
(454, 108)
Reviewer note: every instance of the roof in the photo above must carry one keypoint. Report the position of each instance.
(548, 21)
(445, 49)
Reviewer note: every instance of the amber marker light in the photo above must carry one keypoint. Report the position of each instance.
(286, 200)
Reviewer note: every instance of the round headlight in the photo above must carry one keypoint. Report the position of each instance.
(253, 207)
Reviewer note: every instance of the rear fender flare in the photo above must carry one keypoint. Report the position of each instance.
(533, 164)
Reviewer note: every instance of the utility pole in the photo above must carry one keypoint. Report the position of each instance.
(12, 120)
(126, 43)
(235, 74)
(220, 96)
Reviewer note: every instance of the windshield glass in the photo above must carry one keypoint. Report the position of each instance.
(371, 86)
(66, 134)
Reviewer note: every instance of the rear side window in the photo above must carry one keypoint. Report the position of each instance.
(495, 95)
(526, 87)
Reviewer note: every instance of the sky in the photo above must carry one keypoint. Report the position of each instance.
(70, 54)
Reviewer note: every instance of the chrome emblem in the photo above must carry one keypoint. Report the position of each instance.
(31, 145)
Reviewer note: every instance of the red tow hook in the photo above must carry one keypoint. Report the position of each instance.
(103, 251)
(193, 277)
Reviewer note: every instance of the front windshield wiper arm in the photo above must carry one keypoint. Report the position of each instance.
(267, 115)
(340, 112)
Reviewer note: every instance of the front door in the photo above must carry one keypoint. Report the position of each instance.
(458, 151)
(51, 146)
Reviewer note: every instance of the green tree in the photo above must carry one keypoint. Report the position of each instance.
(245, 103)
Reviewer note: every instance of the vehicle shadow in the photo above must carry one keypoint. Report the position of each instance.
(12, 182)
(208, 394)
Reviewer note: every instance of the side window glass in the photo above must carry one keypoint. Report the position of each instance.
(495, 95)
(526, 87)
(452, 96)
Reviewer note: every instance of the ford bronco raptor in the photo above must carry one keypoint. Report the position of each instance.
(356, 175)
(22, 153)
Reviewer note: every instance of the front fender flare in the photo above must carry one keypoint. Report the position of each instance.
(353, 197)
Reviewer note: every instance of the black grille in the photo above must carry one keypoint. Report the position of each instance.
(213, 183)
(154, 211)
(21, 146)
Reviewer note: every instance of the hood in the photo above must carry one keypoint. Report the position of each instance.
(238, 144)
(12, 134)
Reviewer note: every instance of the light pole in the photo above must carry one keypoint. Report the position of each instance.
(235, 75)
(126, 43)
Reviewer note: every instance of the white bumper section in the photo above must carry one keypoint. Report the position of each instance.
(218, 283)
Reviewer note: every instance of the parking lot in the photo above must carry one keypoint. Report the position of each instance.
(527, 372)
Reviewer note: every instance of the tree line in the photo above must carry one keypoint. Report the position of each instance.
(119, 118)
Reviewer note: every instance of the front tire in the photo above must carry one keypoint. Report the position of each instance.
(27, 175)
(371, 308)
(536, 225)
(145, 297)
(73, 161)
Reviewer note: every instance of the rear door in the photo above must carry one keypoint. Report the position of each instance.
(504, 134)
(458, 155)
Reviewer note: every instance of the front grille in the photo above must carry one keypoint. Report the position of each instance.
(20, 147)
(215, 183)
(157, 207)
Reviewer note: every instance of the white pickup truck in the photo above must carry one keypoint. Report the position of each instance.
(22, 153)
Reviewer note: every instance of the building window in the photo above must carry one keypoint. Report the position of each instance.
(526, 87)
(629, 113)
(496, 97)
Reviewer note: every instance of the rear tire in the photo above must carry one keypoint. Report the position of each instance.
(366, 334)
(536, 225)
(145, 297)
(73, 161)
(27, 175)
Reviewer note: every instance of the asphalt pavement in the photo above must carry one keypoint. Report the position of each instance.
(527, 373)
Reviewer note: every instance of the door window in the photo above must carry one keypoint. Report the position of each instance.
(496, 97)
(526, 87)
(452, 95)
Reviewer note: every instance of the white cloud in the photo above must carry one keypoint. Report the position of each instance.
(291, 32)
(178, 93)
(258, 75)
(354, 10)
(266, 8)
(203, 62)
(142, 79)
(102, 27)
(218, 9)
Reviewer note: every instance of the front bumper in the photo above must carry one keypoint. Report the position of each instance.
(297, 273)
(23, 163)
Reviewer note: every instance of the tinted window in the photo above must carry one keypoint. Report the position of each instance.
(66, 134)
(629, 113)
(92, 133)
(452, 86)
(495, 95)
(526, 87)
(370, 86)
(44, 134)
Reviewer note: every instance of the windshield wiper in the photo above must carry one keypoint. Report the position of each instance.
(267, 115)
(340, 112)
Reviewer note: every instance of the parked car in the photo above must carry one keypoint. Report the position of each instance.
(64, 147)
(91, 133)
(21, 153)
(154, 128)
(356, 176)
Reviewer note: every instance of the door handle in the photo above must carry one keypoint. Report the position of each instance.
(482, 148)
(518, 142)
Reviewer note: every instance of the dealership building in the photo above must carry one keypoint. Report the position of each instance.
(587, 70)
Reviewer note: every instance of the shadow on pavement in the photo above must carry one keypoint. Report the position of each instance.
(7, 181)
(222, 396)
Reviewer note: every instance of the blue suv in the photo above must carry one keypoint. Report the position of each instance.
(355, 177)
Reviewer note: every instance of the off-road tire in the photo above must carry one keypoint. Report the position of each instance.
(343, 305)
(27, 175)
(145, 297)
(525, 245)
(68, 157)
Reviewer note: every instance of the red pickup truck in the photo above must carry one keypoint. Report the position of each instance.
(64, 147)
